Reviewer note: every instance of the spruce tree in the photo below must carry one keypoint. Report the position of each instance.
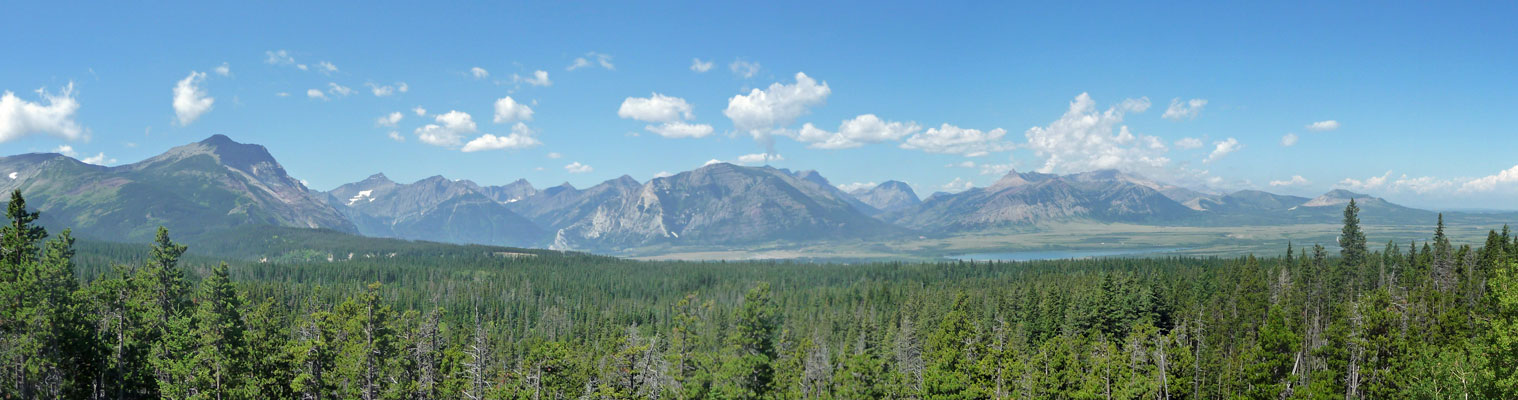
(220, 355)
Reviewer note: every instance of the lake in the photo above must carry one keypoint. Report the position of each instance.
(1059, 254)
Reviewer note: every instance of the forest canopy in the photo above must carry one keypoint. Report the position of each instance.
(1430, 319)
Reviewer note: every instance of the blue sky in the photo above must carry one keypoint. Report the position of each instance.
(1420, 95)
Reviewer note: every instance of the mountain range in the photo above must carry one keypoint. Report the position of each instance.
(219, 184)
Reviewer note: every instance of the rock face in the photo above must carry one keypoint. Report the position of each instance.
(436, 209)
(1033, 198)
(194, 189)
(714, 205)
(888, 197)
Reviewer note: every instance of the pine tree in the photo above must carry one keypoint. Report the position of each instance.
(1351, 238)
(749, 372)
(220, 356)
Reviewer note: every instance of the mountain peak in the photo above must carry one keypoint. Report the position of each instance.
(379, 177)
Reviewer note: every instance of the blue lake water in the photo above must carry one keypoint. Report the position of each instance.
(1032, 255)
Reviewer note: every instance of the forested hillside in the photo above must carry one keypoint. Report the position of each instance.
(1429, 319)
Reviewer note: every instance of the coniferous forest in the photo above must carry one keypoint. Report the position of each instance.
(1426, 319)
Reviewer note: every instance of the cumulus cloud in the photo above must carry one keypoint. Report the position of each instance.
(20, 117)
(1289, 140)
(950, 139)
(578, 168)
(668, 111)
(326, 67)
(1422, 184)
(655, 108)
(1365, 184)
(338, 90)
(479, 73)
(508, 110)
(1085, 139)
(278, 57)
(1296, 180)
(680, 130)
(389, 119)
(759, 158)
(744, 68)
(420, 112)
(663, 174)
(712, 161)
(449, 130)
(850, 187)
(396, 136)
(995, 169)
(316, 94)
(859, 131)
(387, 90)
(1188, 143)
(762, 112)
(958, 185)
(538, 78)
(700, 66)
(1184, 110)
(224, 69)
(1323, 126)
(554, 155)
(190, 100)
(1223, 148)
(592, 59)
(98, 159)
(66, 150)
(1491, 182)
(521, 137)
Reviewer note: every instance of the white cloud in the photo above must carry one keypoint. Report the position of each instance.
(538, 78)
(761, 112)
(224, 69)
(859, 131)
(66, 150)
(20, 117)
(1188, 143)
(680, 130)
(386, 90)
(850, 187)
(479, 73)
(1296, 180)
(655, 108)
(520, 138)
(389, 119)
(554, 156)
(1083, 139)
(1289, 140)
(448, 131)
(1490, 182)
(396, 136)
(190, 100)
(508, 110)
(962, 164)
(326, 67)
(592, 59)
(950, 139)
(1187, 110)
(1367, 184)
(744, 68)
(301, 67)
(700, 66)
(578, 168)
(98, 159)
(1223, 148)
(282, 94)
(759, 158)
(1323, 126)
(1422, 185)
(338, 90)
(278, 57)
(995, 169)
(957, 185)
(420, 112)
(712, 161)
(316, 94)
(663, 174)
